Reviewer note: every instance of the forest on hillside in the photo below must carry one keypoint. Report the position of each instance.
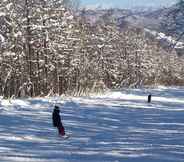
(47, 49)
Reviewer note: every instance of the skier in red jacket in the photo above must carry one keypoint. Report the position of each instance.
(57, 121)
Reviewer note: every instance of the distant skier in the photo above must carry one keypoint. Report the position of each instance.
(149, 98)
(57, 121)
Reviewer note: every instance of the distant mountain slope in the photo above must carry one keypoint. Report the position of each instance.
(150, 20)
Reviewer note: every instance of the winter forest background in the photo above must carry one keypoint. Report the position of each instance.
(48, 47)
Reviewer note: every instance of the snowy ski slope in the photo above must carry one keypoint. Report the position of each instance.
(117, 127)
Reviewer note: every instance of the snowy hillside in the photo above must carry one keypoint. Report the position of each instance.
(166, 41)
(148, 20)
(116, 127)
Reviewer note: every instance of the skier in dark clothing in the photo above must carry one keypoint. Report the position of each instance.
(57, 121)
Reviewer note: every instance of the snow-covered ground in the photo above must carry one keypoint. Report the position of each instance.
(117, 127)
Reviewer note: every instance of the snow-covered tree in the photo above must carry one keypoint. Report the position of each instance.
(46, 50)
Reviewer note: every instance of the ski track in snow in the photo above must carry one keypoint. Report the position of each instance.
(116, 127)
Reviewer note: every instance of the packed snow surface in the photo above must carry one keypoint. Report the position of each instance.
(119, 126)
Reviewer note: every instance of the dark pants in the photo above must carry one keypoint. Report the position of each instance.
(61, 130)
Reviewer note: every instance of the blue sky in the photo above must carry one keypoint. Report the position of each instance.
(126, 3)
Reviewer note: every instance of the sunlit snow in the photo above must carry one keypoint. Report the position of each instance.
(115, 127)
